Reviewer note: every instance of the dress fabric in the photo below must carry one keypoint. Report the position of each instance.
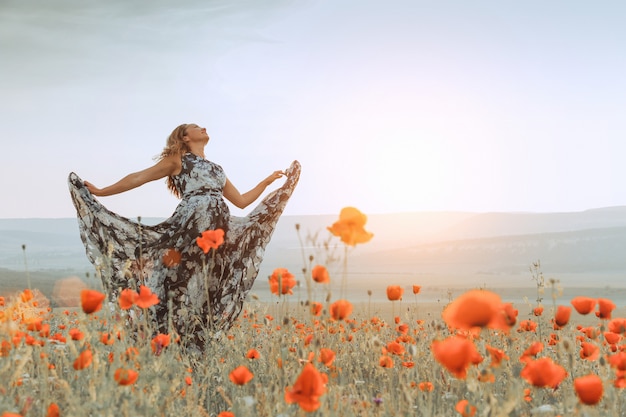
(127, 254)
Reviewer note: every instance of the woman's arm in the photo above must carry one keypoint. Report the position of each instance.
(244, 200)
(167, 166)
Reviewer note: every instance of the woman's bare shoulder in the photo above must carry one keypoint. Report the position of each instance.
(172, 164)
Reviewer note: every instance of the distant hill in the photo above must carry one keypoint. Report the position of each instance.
(435, 248)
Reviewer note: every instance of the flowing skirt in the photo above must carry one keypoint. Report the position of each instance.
(196, 290)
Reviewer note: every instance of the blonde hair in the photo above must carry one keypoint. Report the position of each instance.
(174, 146)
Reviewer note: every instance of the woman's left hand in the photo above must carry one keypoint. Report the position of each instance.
(273, 177)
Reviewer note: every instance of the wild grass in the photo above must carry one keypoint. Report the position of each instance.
(36, 366)
(383, 366)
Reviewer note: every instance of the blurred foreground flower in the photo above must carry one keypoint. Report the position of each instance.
(589, 389)
(241, 375)
(146, 297)
(350, 227)
(127, 298)
(282, 281)
(583, 305)
(53, 410)
(159, 342)
(125, 376)
(320, 274)
(91, 300)
(340, 309)
(327, 356)
(605, 308)
(479, 308)
(456, 354)
(543, 372)
(562, 315)
(307, 389)
(394, 292)
(83, 360)
(465, 409)
(210, 239)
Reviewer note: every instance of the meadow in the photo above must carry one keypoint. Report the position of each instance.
(319, 355)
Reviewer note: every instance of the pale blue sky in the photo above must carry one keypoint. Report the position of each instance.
(390, 106)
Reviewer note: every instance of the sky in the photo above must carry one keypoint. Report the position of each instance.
(390, 106)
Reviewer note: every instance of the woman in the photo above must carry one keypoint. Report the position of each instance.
(198, 291)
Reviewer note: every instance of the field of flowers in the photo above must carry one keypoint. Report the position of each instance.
(476, 357)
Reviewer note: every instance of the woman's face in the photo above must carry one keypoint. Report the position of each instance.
(195, 133)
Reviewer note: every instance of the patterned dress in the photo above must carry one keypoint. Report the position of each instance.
(201, 291)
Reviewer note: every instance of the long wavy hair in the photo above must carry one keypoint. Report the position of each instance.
(174, 146)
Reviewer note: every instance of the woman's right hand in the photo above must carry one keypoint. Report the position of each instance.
(92, 188)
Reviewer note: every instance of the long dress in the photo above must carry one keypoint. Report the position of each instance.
(127, 254)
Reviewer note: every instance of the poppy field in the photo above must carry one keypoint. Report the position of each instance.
(324, 356)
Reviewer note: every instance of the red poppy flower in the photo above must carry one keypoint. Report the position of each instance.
(91, 300)
(84, 360)
(589, 351)
(543, 372)
(241, 375)
(497, 356)
(531, 351)
(125, 376)
(340, 309)
(583, 305)
(159, 342)
(465, 409)
(527, 326)
(26, 295)
(320, 274)
(76, 334)
(171, 258)
(538, 311)
(327, 356)
(210, 239)
(394, 292)
(476, 308)
(395, 348)
(416, 289)
(316, 308)
(350, 227)
(127, 298)
(612, 338)
(53, 410)
(107, 338)
(456, 354)
(34, 324)
(507, 317)
(562, 315)
(226, 414)
(146, 297)
(282, 281)
(617, 325)
(589, 389)
(385, 362)
(253, 354)
(618, 361)
(425, 386)
(307, 389)
(605, 308)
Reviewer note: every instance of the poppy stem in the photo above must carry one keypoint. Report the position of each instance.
(344, 272)
(207, 278)
(26, 267)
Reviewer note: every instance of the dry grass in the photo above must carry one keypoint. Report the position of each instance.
(36, 364)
